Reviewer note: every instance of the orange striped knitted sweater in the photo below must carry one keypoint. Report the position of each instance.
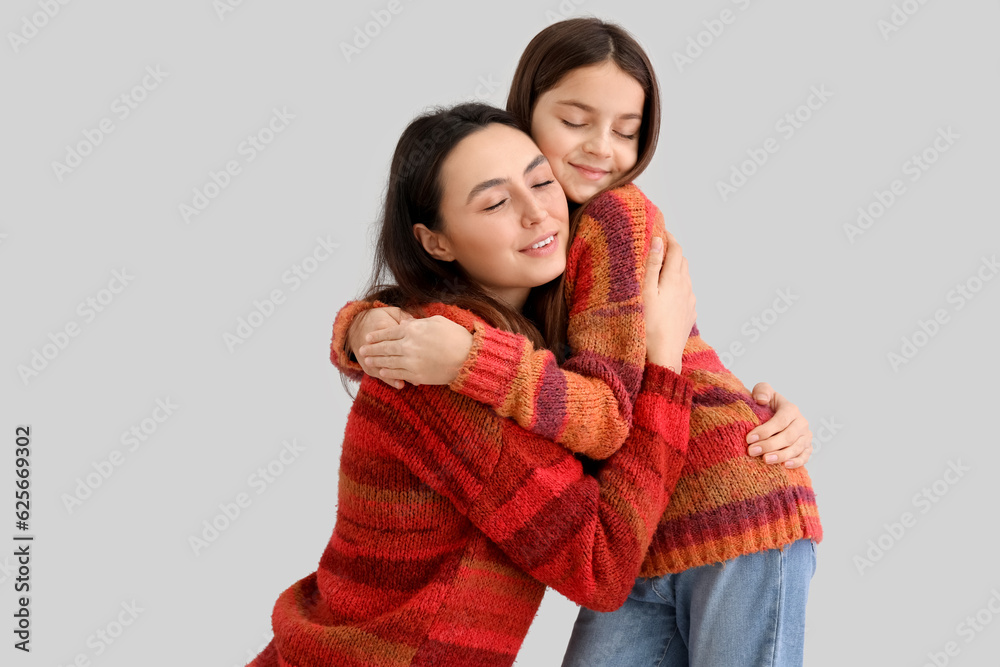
(451, 521)
(726, 503)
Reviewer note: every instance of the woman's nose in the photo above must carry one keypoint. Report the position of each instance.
(533, 213)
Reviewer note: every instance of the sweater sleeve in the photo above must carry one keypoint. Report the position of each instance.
(583, 535)
(345, 362)
(585, 404)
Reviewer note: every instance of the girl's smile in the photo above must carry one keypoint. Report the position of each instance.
(588, 127)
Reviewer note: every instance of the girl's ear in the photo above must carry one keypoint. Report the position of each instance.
(434, 243)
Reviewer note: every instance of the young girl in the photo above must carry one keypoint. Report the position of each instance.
(726, 578)
(451, 520)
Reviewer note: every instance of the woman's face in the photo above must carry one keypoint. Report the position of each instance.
(499, 199)
(588, 128)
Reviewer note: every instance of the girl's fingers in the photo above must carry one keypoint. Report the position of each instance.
(389, 333)
(394, 376)
(387, 348)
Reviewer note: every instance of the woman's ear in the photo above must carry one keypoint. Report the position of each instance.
(434, 243)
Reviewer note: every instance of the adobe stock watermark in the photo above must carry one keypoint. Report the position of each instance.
(121, 108)
(132, 438)
(899, 16)
(105, 636)
(32, 24)
(968, 629)
(828, 429)
(248, 149)
(959, 295)
(370, 30)
(264, 309)
(914, 167)
(787, 126)
(253, 653)
(754, 327)
(88, 310)
(714, 28)
(225, 7)
(923, 501)
(565, 10)
(229, 511)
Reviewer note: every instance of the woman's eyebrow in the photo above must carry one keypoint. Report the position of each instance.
(493, 182)
(590, 109)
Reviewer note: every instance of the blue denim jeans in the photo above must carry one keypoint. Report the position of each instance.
(749, 611)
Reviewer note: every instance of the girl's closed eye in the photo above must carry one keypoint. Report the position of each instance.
(569, 124)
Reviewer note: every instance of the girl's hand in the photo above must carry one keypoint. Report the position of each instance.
(785, 438)
(370, 321)
(669, 304)
(429, 350)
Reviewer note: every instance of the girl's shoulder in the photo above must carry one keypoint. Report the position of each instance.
(626, 203)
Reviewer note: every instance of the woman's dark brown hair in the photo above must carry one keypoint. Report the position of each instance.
(413, 195)
(552, 54)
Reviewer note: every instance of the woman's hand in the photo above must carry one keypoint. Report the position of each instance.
(668, 304)
(429, 350)
(784, 438)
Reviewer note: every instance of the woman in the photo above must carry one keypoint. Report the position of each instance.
(727, 575)
(451, 520)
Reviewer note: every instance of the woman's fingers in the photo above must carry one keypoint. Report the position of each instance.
(792, 450)
(653, 263)
(762, 392)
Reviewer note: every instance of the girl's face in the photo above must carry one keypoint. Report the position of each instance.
(499, 199)
(588, 127)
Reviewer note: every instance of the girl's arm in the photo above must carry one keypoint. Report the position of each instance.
(583, 535)
(586, 404)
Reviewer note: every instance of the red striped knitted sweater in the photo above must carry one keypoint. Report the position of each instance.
(726, 503)
(451, 521)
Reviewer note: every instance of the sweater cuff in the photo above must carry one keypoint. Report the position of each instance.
(344, 362)
(491, 368)
(667, 383)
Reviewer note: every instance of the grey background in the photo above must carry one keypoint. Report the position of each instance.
(896, 430)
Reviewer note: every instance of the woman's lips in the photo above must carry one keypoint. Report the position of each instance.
(545, 250)
(587, 172)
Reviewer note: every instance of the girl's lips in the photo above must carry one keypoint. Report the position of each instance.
(592, 174)
(545, 250)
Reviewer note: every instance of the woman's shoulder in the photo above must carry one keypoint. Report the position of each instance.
(456, 314)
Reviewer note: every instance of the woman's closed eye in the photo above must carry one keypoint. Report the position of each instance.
(502, 201)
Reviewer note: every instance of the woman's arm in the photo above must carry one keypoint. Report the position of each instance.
(583, 535)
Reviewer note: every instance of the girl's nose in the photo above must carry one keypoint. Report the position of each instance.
(598, 144)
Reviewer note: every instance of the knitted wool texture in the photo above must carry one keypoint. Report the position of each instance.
(726, 503)
(451, 521)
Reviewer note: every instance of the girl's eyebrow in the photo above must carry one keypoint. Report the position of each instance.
(493, 182)
(590, 109)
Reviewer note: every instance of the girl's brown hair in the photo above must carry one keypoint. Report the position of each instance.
(568, 45)
(552, 54)
(403, 274)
